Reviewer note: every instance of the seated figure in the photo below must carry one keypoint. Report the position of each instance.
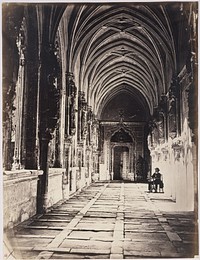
(155, 181)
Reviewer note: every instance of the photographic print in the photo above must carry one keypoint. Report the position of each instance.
(100, 130)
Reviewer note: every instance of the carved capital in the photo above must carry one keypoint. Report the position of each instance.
(178, 148)
(172, 134)
(177, 144)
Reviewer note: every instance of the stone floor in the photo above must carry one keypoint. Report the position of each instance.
(107, 220)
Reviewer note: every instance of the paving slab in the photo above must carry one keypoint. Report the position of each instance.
(139, 246)
(87, 244)
(44, 255)
(23, 254)
(96, 220)
(137, 236)
(95, 226)
(132, 254)
(31, 241)
(108, 220)
(90, 234)
(79, 256)
(173, 236)
(116, 256)
(91, 250)
(38, 232)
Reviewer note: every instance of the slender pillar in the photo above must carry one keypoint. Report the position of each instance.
(42, 196)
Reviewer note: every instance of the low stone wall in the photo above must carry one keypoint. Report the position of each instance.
(103, 172)
(80, 178)
(75, 176)
(55, 185)
(19, 195)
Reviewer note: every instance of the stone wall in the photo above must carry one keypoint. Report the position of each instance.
(103, 172)
(55, 185)
(20, 196)
(176, 162)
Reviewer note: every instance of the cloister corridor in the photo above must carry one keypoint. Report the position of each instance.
(116, 220)
(98, 101)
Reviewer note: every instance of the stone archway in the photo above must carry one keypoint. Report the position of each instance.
(121, 162)
(122, 156)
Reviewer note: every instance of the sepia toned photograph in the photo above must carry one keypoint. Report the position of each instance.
(100, 130)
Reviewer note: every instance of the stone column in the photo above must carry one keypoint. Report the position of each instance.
(67, 177)
(49, 107)
(112, 162)
(42, 196)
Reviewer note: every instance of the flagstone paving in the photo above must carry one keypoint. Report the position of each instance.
(113, 220)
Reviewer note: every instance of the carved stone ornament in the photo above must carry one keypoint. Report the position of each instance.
(83, 108)
(178, 148)
(165, 152)
(53, 103)
(71, 88)
(71, 92)
(157, 155)
(68, 141)
(178, 144)
(172, 111)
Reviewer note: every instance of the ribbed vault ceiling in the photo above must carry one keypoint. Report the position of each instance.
(114, 48)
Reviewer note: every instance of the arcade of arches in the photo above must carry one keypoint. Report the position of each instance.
(95, 92)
